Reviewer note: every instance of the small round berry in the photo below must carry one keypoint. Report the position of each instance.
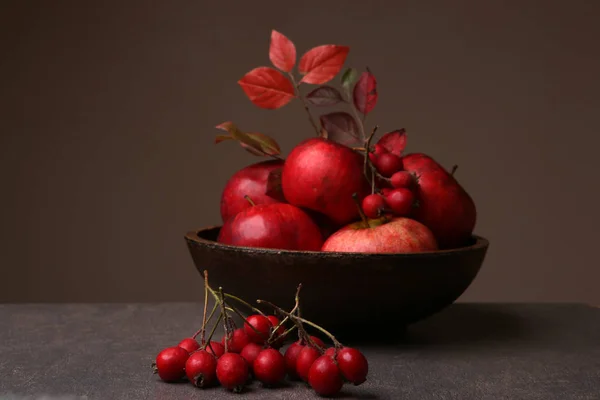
(401, 201)
(324, 376)
(189, 344)
(305, 359)
(250, 352)
(232, 371)
(373, 205)
(402, 179)
(238, 340)
(353, 365)
(201, 369)
(388, 164)
(215, 348)
(269, 367)
(262, 328)
(277, 343)
(290, 357)
(170, 364)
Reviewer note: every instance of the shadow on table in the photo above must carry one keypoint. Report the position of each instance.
(457, 325)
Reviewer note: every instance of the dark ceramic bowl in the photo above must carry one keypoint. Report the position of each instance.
(341, 290)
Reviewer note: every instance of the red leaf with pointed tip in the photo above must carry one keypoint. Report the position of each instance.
(324, 96)
(267, 88)
(394, 142)
(341, 127)
(274, 184)
(282, 51)
(322, 63)
(365, 92)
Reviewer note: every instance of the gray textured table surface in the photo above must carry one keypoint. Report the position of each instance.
(468, 351)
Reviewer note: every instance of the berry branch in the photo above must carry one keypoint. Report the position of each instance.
(304, 103)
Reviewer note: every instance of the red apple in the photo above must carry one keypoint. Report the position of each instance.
(382, 235)
(249, 181)
(321, 175)
(444, 206)
(275, 226)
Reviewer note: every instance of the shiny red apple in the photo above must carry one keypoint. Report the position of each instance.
(249, 181)
(276, 226)
(444, 206)
(321, 175)
(382, 235)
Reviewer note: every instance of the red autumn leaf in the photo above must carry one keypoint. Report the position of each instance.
(394, 141)
(267, 88)
(282, 52)
(322, 63)
(365, 92)
(258, 144)
(324, 96)
(274, 184)
(341, 127)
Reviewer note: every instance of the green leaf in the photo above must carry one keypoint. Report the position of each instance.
(349, 76)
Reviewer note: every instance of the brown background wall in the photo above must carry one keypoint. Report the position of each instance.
(108, 108)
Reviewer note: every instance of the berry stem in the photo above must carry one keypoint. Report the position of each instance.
(304, 103)
(212, 332)
(367, 162)
(454, 168)
(249, 200)
(364, 218)
(212, 312)
(297, 321)
(284, 320)
(245, 303)
(202, 337)
(336, 343)
(224, 316)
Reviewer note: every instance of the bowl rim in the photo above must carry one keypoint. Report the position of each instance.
(481, 243)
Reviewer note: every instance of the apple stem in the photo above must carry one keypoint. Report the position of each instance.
(249, 200)
(304, 103)
(454, 168)
(360, 210)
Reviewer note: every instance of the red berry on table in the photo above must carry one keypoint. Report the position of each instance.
(401, 201)
(262, 328)
(324, 376)
(238, 340)
(353, 365)
(403, 179)
(215, 348)
(373, 205)
(170, 364)
(232, 371)
(250, 352)
(305, 359)
(388, 164)
(269, 367)
(201, 369)
(189, 344)
(290, 357)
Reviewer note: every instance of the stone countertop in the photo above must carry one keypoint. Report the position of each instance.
(468, 351)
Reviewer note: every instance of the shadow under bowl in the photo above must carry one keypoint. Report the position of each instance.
(346, 292)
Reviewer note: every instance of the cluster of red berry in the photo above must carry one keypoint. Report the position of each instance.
(399, 199)
(252, 352)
